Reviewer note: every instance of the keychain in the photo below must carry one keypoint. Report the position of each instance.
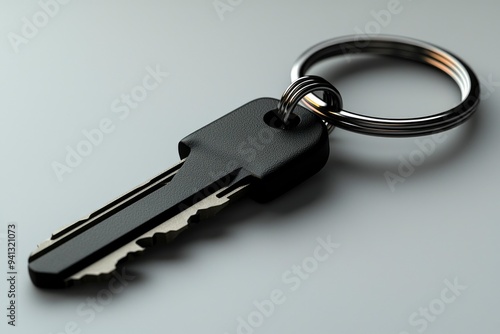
(218, 165)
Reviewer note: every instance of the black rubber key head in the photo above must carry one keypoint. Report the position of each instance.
(250, 139)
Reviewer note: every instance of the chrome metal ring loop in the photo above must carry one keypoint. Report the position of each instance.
(399, 47)
(298, 89)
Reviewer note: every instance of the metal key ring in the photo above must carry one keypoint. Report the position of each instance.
(298, 89)
(399, 47)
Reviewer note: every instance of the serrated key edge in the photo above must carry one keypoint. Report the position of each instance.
(106, 265)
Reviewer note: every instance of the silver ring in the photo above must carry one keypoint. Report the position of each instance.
(307, 84)
(399, 47)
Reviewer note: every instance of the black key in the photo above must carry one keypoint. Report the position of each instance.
(248, 151)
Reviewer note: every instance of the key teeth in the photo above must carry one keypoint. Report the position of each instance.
(158, 238)
(139, 248)
(169, 230)
(90, 279)
(102, 269)
(162, 234)
(103, 276)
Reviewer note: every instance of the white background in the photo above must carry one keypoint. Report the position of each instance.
(397, 246)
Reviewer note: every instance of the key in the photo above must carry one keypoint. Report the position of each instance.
(246, 152)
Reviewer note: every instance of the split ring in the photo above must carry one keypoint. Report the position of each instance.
(306, 85)
(398, 47)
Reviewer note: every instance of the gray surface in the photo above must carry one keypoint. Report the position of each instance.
(396, 247)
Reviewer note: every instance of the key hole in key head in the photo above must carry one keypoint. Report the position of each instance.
(272, 119)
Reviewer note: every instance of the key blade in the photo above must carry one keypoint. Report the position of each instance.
(162, 234)
(113, 228)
